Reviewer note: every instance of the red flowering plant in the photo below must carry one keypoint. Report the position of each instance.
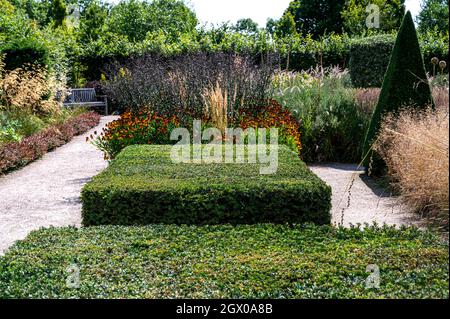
(270, 114)
(142, 128)
(148, 127)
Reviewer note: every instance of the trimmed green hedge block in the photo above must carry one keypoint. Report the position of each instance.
(369, 59)
(142, 186)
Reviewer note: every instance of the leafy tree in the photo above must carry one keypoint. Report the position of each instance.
(40, 11)
(434, 15)
(92, 20)
(317, 17)
(6, 8)
(246, 26)
(135, 18)
(270, 25)
(405, 83)
(354, 15)
(14, 23)
(286, 26)
(58, 12)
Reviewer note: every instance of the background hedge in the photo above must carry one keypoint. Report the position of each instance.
(369, 59)
(142, 186)
(24, 51)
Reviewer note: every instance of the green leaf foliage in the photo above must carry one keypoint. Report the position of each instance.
(434, 16)
(245, 261)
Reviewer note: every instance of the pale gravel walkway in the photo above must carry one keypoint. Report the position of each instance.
(368, 203)
(46, 192)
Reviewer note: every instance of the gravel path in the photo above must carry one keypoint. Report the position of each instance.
(368, 203)
(46, 192)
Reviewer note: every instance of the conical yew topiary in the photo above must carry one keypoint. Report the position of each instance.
(405, 83)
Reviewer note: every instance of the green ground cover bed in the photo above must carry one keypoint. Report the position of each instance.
(143, 186)
(243, 261)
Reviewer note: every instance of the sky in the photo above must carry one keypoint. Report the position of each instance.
(217, 11)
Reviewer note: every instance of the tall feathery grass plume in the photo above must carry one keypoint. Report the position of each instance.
(216, 107)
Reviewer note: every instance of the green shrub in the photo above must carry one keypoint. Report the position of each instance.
(369, 59)
(405, 83)
(25, 51)
(143, 186)
(257, 261)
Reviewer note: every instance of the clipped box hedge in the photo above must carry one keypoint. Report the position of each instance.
(369, 59)
(142, 186)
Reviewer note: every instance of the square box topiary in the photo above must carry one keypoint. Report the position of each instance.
(143, 186)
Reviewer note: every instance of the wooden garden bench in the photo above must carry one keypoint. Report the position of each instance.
(86, 97)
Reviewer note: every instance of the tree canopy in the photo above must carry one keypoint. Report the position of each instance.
(318, 17)
(434, 15)
(246, 26)
(134, 18)
(355, 13)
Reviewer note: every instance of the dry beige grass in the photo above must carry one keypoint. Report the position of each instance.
(441, 97)
(367, 99)
(415, 146)
(23, 90)
(216, 107)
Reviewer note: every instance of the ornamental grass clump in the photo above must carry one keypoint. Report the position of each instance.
(415, 147)
(26, 90)
(332, 121)
(216, 107)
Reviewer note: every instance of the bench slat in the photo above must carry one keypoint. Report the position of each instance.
(84, 97)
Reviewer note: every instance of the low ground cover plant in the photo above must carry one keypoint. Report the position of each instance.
(143, 186)
(17, 154)
(257, 261)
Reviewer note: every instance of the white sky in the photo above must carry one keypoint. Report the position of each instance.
(217, 11)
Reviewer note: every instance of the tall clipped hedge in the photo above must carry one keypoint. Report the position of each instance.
(369, 59)
(24, 51)
(405, 82)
